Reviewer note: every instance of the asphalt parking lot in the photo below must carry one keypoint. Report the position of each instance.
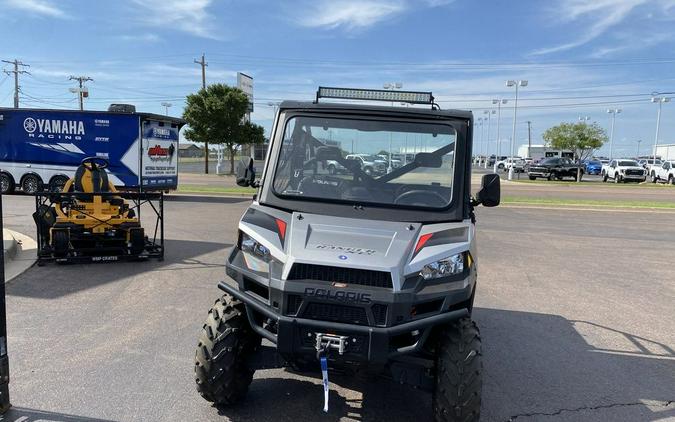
(575, 308)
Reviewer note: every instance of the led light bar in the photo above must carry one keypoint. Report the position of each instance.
(411, 97)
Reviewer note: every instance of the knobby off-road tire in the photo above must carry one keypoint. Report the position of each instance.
(225, 343)
(459, 367)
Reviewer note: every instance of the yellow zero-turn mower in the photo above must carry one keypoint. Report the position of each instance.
(88, 219)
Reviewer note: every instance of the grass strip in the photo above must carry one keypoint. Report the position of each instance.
(587, 202)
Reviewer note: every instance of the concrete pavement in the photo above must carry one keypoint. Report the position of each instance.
(575, 310)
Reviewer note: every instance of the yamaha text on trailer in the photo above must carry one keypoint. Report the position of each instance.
(41, 149)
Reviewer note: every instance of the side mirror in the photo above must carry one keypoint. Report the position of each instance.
(327, 153)
(429, 160)
(490, 191)
(246, 173)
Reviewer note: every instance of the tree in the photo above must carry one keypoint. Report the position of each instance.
(247, 133)
(580, 138)
(216, 115)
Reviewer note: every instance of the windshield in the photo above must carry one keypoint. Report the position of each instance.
(550, 161)
(341, 160)
(628, 163)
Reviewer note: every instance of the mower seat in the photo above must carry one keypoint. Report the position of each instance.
(91, 179)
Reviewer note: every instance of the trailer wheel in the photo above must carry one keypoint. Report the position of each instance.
(136, 241)
(6, 184)
(31, 184)
(57, 183)
(225, 342)
(60, 243)
(457, 393)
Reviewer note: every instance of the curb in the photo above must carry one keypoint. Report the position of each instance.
(21, 255)
(9, 245)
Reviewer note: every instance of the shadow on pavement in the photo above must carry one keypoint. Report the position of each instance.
(535, 366)
(539, 365)
(208, 199)
(19, 414)
(54, 280)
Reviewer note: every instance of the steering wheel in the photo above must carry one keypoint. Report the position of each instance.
(95, 163)
(426, 198)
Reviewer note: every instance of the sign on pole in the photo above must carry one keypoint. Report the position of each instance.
(245, 83)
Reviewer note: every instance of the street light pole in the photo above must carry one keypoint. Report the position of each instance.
(479, 122)
(638, 150)
(613, 112)
(487, 141)
(166, 107)
(499, 103)
(392, 86)
(660, 101)
(517, 84)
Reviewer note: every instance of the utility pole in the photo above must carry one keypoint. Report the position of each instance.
(4, 360)
(529, 138)
(203, 64)
(16, 73)
(80, 91)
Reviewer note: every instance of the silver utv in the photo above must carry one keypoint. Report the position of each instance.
(377, 273)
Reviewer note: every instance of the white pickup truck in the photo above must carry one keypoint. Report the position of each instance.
(623, 171)
(664, 173)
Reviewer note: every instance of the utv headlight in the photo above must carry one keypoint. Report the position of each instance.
(445, 267)
(256, 256)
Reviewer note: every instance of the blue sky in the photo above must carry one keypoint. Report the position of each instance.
(580, 57)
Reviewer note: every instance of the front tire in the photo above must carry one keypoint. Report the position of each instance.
(671, 180)
(6, 184)
(31, 184)
(459, 367)
(331, 170)
(57, 183)
(225, 342)
(533, 178)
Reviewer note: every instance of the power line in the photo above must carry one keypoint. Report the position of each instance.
(16, 73)
(81, 90)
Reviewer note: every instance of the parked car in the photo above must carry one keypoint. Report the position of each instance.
(394, 162)
(593, 167)
(623, 171)
(664, 173)
(333, 167)
(554, 168)
(505, 163)
(649, 164)
(370, 164)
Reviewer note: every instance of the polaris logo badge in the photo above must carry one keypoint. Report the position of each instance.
(346, 249)
(339, 295)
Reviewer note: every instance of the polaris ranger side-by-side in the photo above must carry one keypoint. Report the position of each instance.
(355, 271)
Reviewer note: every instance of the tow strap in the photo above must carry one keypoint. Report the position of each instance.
(324, 374)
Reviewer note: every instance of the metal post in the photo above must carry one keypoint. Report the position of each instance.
(4, 361)
(487, 141)
(513, 134)
(659, 100)
(529, 138)
(203, 64)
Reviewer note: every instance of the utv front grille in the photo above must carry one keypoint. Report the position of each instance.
(379, 314)
(341, 275)
(336, 313)
(293, 305)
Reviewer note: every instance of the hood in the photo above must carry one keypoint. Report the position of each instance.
(347, 242)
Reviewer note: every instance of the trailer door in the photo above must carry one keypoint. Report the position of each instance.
(159, 154)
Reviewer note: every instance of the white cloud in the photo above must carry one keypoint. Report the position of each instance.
(605, 14)
(37, 7)
(148, 38)
(189, 16)
(357, 14)
(350, 14)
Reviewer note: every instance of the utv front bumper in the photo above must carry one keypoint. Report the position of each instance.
(296, 336)
(379, 324)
